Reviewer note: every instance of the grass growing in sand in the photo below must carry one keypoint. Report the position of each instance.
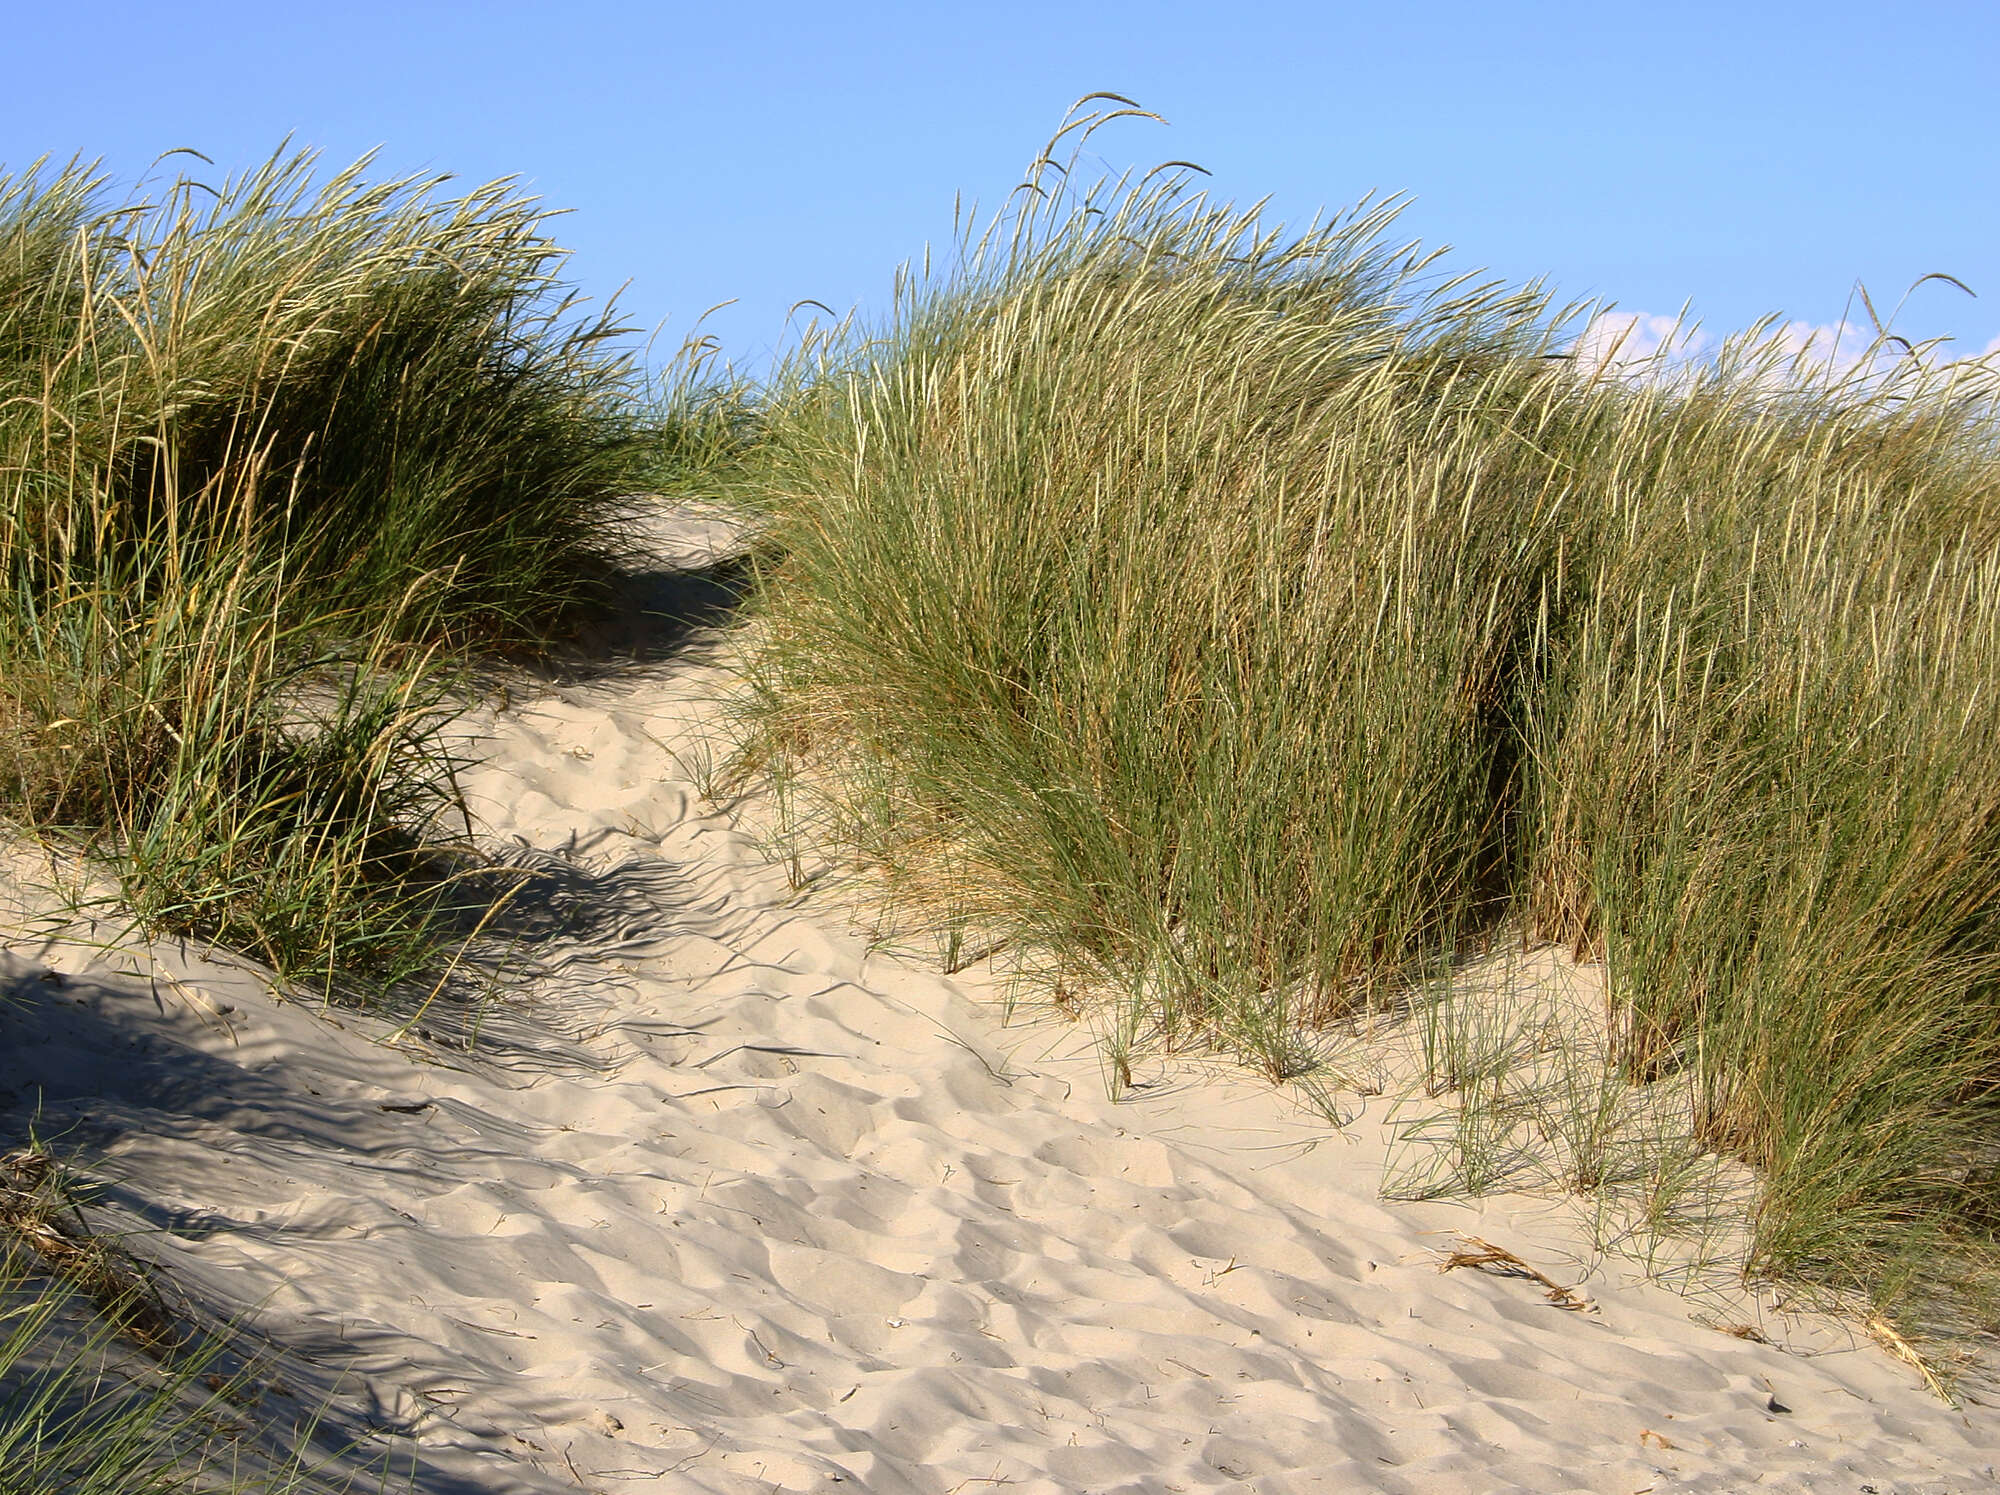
(1769, 793)
(69, 1420)
(104, 1389)
(268, 453)
(1245, 624)
(274, 453)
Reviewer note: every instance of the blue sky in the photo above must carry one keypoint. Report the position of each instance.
(1745, 158)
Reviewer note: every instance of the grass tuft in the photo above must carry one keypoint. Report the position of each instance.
(276, 454)
(1245, 625)
(273, 455)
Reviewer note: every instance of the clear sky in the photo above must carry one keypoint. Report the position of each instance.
(1746, 157)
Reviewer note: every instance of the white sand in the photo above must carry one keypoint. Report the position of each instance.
(725, 1201)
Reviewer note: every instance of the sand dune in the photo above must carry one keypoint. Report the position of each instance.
(720, 1199)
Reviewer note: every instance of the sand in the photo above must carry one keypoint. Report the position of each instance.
(722, 1199)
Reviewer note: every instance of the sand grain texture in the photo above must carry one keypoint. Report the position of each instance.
(725, 1201)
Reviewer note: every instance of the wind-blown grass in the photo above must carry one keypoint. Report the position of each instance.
(264, 452)
(1243, 622)
(1175, 597)
(388, 387)
(273, 457)
(1772, 795)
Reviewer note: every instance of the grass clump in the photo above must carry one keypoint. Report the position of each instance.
(1247, 622)
(274, 456)
(1771, 794)
(385, 387)
(68, 1420)
(270, 456)
(1173, 582)
(104, 1388)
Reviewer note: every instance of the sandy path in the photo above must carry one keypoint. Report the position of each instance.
(727, 1202)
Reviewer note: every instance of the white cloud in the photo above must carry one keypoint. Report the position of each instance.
(1638, 343)
(1644, 347)
(1840, 347)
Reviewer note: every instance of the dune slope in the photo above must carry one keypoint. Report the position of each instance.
(718, 1198)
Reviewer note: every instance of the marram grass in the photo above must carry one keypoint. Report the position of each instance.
(1207, 599)
(1771, 796)
(386, 389)
(1244, 623)
(272, 453)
